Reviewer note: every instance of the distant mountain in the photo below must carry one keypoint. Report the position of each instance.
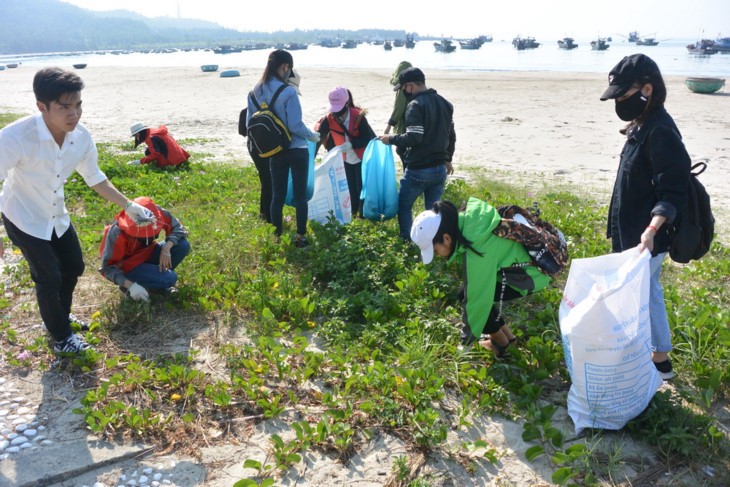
(53, 26)
(32, 26)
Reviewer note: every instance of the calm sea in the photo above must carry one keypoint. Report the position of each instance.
(671, 55)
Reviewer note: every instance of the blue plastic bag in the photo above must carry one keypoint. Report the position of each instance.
(310, 177)
(379, 187)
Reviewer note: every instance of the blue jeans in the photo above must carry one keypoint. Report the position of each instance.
(298, 161)
(428, 182)
(148, 275)
(661, 338)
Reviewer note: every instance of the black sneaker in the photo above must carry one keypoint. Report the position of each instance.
(665, 369)
(72, 344)
(301, 242)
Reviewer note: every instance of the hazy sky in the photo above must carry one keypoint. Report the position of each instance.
(582, 19)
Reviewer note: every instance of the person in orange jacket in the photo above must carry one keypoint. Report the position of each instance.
(133, 259)
(346, 126)
(161, 147)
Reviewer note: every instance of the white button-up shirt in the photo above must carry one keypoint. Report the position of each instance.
(35, 168)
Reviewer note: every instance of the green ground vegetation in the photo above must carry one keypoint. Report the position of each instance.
(353, 336)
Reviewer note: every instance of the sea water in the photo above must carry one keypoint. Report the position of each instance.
(671, 56)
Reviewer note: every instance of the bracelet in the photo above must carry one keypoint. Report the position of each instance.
(653, 228)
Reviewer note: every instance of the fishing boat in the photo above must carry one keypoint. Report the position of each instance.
(349, 44)
(633, 36)
(704, 85)
(703, 47)
(387, 46)
(599, 44)
(2, 67)
(209, 68)
(471, 44)
(522, 43)
(444, 45)
(223, 49)
(399, 43)
(296, 46)
(410, 41)
(11, 65)
(567, 43)
(722, 44)
(647, 41)
(327, 42)
(230, 73)
(79, 66)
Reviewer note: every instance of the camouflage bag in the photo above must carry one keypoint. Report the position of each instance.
(545, 243)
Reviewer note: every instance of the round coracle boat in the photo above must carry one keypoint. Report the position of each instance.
(704, 85)
(230, 73)
(209, 68)
(80, 66)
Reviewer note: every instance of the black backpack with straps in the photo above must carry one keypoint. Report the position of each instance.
(692, 231)
(267, 134)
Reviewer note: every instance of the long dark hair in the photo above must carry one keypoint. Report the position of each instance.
(450, 225)
(276, 59)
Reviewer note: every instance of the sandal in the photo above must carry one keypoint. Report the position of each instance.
(501, 350)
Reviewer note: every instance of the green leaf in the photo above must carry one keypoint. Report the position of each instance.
(562, 475)
(250, 463)
(533, 452)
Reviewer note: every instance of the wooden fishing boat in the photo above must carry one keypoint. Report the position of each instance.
(599, 44)
(567, 43)
(444, 45)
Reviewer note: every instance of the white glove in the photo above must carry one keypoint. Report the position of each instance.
(315, 137)
(135, 162)
(346, 146)
(137, 292)
(138, 212)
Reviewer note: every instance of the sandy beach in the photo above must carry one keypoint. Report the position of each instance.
(534, 126)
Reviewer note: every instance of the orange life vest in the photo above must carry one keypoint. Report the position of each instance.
(353, 129)
(175, 154)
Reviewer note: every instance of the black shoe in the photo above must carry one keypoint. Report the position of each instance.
(301, 242)
(72, 344)
(665, 369)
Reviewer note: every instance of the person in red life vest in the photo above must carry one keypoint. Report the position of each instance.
(133, 259)
(345, 125)
(161, 147)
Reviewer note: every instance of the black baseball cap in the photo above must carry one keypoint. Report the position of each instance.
(627, 72)
(410, 75)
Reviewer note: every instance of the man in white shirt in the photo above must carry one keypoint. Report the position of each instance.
(37, 154)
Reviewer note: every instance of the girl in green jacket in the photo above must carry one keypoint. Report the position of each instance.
(495, 269)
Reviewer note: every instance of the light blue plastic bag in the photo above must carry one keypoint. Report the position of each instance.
(310, 177)
(379, 187)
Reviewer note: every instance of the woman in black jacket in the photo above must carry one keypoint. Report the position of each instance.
(651, 183)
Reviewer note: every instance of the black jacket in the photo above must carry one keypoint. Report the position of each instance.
(652, 180)
(429, 138)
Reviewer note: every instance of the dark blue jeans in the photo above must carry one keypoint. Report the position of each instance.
(428, 182)
(296, 160)
(55, 266)
(148, 275)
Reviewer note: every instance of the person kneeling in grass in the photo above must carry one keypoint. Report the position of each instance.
(495, 269)
(133, 259)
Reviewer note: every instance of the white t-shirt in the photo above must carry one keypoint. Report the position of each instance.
(35, 169)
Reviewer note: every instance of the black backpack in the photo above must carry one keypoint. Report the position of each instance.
(267, 134)
(692, 231)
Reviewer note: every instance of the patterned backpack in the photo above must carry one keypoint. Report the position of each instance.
(545, 243)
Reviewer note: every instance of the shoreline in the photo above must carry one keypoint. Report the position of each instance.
(539, 125)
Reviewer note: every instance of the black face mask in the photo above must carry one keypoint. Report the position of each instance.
(632, 107)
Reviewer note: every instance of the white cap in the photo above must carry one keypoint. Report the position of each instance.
(294, 81)
(423, 231)
(137, 127)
